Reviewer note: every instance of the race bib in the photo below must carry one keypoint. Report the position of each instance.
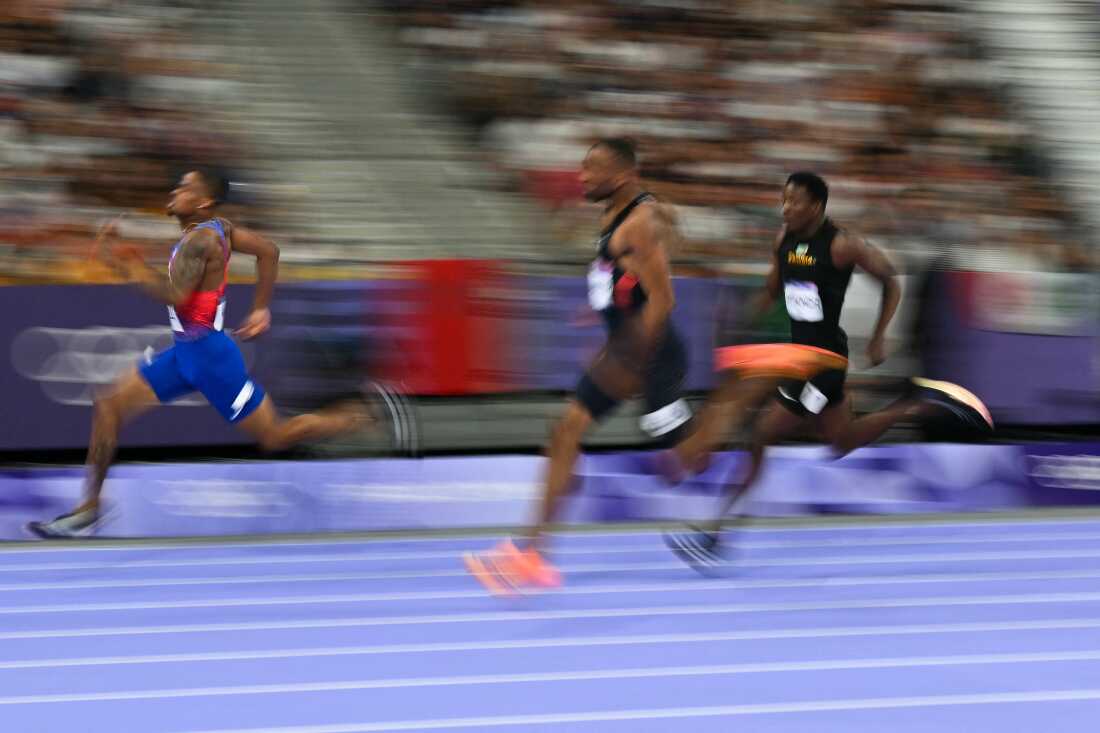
(803, 302)
(600, 285)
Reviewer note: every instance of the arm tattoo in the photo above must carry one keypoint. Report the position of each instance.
(189, 266)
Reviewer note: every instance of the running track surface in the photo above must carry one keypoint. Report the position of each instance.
(921, 627)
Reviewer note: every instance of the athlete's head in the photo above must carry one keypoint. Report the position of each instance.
(198, 194)
(804, 200)
(610, 164)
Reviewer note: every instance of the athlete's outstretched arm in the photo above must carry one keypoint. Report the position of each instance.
(760, 303)
(849, 250)
(185, 271)
(250, 242)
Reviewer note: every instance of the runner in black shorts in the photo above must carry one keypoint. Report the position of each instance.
(812, 264)
(630, 285)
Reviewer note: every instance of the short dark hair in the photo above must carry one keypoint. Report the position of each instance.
(215, 182)
(622, 148)
(814, 184)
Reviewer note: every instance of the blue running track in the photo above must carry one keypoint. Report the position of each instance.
(940, 627)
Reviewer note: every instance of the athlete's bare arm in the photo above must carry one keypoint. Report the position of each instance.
(762, 301)
(850, 250)
(198, 254)
(650, 236)
(250, 242)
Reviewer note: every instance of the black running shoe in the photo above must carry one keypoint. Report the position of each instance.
(68, 526)
(394, 415)
(960, 403)
(702, 551)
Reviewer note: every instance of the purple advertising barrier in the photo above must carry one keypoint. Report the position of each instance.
(892, 479)
(265, 497)
(59, 344)
(1063, 474)
(62, 342)
(1026, 343)
(331, 496)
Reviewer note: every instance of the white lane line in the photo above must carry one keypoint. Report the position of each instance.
(864, 527)
(817, 665)
(656, 546)
(715, 711)
(555, 615)
(441, 595)
(827, 632)
(693, 586)
(362, 558)
(696, 585)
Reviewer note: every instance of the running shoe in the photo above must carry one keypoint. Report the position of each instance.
(394, 416)
(702, 551)
(508, 570)
(69, 526)
(957, 401)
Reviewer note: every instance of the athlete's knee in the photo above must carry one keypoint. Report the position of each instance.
(761, 438)
(270, 443)
(270, 438)
(842, 442)
(564, 433)
(274, 439)
(569, 429)
(106, 409)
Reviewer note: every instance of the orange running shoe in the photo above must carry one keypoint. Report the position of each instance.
(505, 569)
(532, 566)
(956, 400)
(482, 566)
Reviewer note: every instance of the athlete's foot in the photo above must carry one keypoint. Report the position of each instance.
(507, 570)
(958, 402)
(357, 415)
(389, 414)
(80, 523)
(702, 550)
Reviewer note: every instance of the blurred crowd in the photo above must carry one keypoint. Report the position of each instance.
(99, 104)
(888, 99)
(101, 101)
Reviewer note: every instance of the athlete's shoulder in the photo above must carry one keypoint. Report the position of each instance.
(647, 206)
(844, 235)
(226, 225)
(650, 219)
(664, 212)
(837, 231)
(201, 240)
(847, 247)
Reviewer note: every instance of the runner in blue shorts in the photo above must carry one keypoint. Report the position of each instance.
(203, 359)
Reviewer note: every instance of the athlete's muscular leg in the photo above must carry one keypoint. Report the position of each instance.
(609, 379)
(773, 425)
(124, 400)
(846, 433)
(724, 411)
(563, 449)
(273, 433)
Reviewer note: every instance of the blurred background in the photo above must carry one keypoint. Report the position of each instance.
(416, 162)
